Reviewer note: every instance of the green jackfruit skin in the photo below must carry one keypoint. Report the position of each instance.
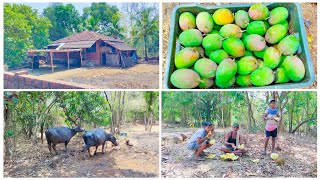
(257, 27)
(206, 83)
(294, 68)
(226, 70)
(204, 22)
(258, 12)
(234, 47)
(191, 38)
(276, 33)
(243, 80)
(218, 55)
(281, 76)
(242, 18)
(278, 15)
(262, 76)
(254, 42)
(289, 45)
(205, 68)
(246, 65)
(272, 57)
(186, 58)
(230, 31)
(212, 42)
(185, 79)
(225, 84)
(187, 21)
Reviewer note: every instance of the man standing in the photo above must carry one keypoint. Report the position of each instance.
(200, 140)
(270, 116)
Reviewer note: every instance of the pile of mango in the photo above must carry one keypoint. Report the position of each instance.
(242, 48)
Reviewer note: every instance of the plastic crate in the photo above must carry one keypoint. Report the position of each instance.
(296, 27)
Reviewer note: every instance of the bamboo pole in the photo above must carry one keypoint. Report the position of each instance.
(51, 62)
(68, 60)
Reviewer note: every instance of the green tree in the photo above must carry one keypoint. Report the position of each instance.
(23, 29)
(65, 20)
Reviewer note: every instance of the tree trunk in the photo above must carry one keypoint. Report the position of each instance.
(145, 48)
(300, 124)
(41, 131)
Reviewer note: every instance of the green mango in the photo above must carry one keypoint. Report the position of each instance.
(185, 79)
(266, 24)
(226, 70)
(230, 30)
(254, 42)
(275, 33)
(272, 57)
(207, 52)
(289, 45)
(225, 84)
(205, 68)
(206, 83)
(246, 65)
(204, 22)
(186, 58)
(243, 80)
(262, 76)
(258, 12)
(234, 47)
(285, 23)
(242, 19)
(260, 63)
(281, 76)
(200, 50)
(212, 42)
(257, 27)
(217, 27)
(218, 55)
(190, 38)
(248, 53)
(214, 32)
(223, 16)
(278, 15)
(187, 21)
(244, 35)
(294, 68)
(259, 54)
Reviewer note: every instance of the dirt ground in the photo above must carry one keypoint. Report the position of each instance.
(139, 160)
(309, 13)
(299, 152)
(140, 76)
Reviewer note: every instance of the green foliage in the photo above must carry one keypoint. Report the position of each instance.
(23, 29)
(65, 20)
(8, 134)
(227, 107)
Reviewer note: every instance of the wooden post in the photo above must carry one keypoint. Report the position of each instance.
(51, 61)
(80, 58)
(68, 59)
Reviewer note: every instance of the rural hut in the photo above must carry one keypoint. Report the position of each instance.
(81, 48)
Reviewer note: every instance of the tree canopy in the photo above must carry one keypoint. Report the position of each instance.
(298, 109)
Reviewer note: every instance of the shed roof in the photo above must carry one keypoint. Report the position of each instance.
(121, 46)
(78, 44)
(86, 36)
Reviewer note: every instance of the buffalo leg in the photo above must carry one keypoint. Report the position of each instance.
(95, 152)
(66, 146)
(54, 148)
(49, 146)
(103, 147)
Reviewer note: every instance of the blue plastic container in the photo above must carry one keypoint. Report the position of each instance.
(296, 27)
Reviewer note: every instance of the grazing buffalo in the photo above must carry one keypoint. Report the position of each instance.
(97, 137)
(55, 136)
